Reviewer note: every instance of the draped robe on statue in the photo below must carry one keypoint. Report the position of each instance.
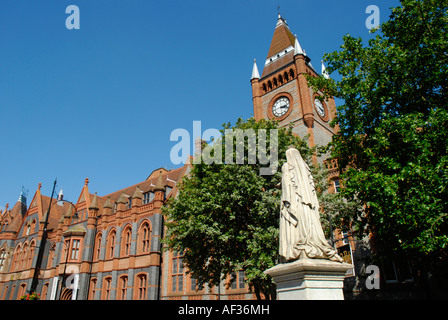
(301, 234)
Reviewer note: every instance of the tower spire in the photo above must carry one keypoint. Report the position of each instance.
(255, 73)
(297, 48)
(324, 71)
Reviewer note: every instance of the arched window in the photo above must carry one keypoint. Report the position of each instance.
(33, 226)
(96, 255)
(31, 254)
(107, 288)
(16, 258)
(144, 238)
(22, 290)
(126, 240)
(24, 257)
(111, 244)
(92, 289)
(2, 259)
(122, 287)
(140, 286)
(43, 295)
(51, 256)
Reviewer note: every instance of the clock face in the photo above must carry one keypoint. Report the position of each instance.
(319, 107)
(280, 107)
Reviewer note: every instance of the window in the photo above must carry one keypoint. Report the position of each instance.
(345, 237)
(110, 244)
(22, 290)
(24, 257)
(16, 258)
(51, 256)
(144, 238)
(31, 254)
(141, 286)
(75, 249)
(71, 250)
(2, 259)
(97, 247)
(43, 296)
(238, 280)
(127, 237)
(177, 273)
(194, 286)
(92, 289)
(337, 187)
(123, 287)
(147, 197)
(107, 288)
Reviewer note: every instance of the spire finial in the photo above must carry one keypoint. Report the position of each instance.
(297, 48)
(86, 181)
(324, 71)
(255, 73)
(39, 186)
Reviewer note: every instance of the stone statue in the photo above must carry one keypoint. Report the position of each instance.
(301, 234)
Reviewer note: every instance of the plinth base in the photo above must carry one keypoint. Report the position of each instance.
(309, 279)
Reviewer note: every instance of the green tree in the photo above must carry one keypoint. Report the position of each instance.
(392, 142)
(225, 217)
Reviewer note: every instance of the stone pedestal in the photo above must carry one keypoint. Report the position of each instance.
(309, 279)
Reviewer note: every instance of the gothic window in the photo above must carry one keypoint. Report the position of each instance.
(291, 73)
(110, 248)
(141, 286)
(107, 288)
(144, 238)
(92, 289)
(97, 246)
(16, 258)
(43, 295)
(51, 256)
(126, 237)
(24, 257)
(31, 254)
(2, 259)
(22, 290)
(123, 287)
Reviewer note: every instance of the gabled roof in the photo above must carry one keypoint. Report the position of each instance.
(168, 178)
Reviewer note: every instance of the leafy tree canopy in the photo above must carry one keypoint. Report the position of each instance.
(393, 135)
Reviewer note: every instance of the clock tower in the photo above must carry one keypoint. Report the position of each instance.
(282, 91)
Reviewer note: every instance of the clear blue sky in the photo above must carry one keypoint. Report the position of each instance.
(101, 102)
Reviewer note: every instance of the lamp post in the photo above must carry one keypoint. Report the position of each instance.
(43, 241)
